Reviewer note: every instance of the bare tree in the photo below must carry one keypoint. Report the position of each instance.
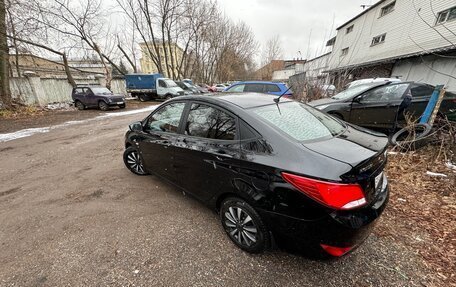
(5, 93)
(272, 50)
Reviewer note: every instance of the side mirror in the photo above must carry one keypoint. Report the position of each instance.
(136, 127)
(357, 99)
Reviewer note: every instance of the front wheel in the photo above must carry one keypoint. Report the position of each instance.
(103, 106)
(79, 105)
(133, 161)
(122, 106)
(244, 226)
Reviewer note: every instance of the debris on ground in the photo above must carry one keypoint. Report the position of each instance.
(60, 106)
(422, 209)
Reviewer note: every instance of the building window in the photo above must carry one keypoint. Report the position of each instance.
(447, 15)
(349, 29)
(378, 40)
(387, 9)
(344, 52)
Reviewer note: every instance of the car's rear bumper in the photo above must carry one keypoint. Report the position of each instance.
(339, 228)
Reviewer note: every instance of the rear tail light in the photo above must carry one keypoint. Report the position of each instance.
(334, 195)
(335, 251)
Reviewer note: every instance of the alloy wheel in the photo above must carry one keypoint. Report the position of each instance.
(135, 163)
(240, 226)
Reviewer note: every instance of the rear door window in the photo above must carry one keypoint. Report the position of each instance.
(419, 91)
(270, 88)
(166, 119)
(208, 122)
(254, 88)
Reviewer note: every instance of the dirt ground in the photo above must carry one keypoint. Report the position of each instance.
(72, 215)
(41, 117)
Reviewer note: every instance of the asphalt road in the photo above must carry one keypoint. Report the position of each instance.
(71, 214)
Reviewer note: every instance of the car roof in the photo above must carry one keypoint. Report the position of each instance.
(241, 100)
(258, 82)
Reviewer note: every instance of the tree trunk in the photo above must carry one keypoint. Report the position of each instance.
(67, 71)
(5, 93)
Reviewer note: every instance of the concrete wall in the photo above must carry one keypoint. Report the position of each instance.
(42, 91)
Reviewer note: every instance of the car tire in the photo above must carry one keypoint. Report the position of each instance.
(421, 132)
(122, 106)
(79, 105)
(143, 97)
(244, 226)
(103, 106)
(168, 97)
(133, 161)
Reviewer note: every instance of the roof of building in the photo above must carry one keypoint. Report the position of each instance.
(447, 49)
(362, 13)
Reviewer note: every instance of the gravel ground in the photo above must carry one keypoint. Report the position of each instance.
(72, 215)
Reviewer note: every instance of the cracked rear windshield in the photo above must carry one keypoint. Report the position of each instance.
(299, 121)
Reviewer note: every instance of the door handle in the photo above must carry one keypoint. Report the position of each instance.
(222, 156)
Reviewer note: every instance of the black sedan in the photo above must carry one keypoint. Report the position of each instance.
(275, 172)
(376, 105)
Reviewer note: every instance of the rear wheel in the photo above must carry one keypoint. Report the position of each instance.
(133, 161)
(143, 97)
(168, 97)
(103, 106)
(79, 105)
(244, 226)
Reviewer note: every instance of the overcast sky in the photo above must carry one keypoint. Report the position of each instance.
(294, 20)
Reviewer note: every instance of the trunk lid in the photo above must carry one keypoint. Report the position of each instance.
(363, 150)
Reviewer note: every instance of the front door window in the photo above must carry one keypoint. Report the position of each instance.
(167, 119)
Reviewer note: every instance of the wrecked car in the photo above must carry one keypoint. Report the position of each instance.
(375, 105)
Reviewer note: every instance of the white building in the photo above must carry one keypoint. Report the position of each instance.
(410, 39)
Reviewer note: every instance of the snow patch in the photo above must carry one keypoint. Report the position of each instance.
(22, 134)
(430, 173)
(29, 132)
(450, 165)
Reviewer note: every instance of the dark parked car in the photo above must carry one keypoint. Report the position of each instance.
(285, 171)
(96, 96)
(375, 105)
(265, 87)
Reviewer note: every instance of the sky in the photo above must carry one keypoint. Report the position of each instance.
(295, 21)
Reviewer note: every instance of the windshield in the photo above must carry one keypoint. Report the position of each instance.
(170, 83)
(354, 91)
(100, 90)
(299, 121)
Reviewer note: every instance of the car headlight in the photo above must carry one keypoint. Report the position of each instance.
(322, 107)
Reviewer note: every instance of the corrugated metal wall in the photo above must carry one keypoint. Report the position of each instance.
(430, 69)
(53, 90)
(406, 32)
